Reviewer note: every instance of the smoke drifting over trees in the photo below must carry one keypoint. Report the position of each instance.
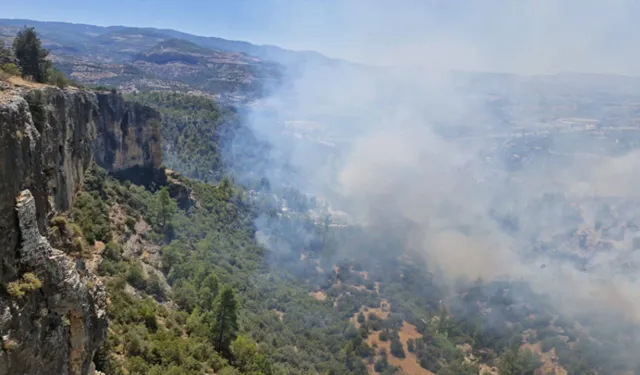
(484, 175)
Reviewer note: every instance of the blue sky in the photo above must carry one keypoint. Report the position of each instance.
(259, 21)
(503, 35)
(329, 26)
(240, 19)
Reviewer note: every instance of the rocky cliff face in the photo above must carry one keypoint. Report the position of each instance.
(53, 323)
(128, 134)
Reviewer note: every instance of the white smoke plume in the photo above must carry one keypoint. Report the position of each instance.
(419, 137)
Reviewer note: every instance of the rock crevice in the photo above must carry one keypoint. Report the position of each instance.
(48, 139)
(59, 326)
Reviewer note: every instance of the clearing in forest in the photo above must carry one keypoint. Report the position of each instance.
(319, 295)
(410, 364)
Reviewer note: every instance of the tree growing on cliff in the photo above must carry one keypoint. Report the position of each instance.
(31, 56)
(164, 209)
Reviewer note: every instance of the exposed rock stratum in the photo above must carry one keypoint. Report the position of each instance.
(48, 139)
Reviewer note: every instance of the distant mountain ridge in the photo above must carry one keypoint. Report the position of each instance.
(140, 59)
(70, 34)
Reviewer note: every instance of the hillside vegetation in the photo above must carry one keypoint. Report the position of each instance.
(192, 291)
(198, 136)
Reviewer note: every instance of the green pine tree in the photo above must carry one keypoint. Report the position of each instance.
(225, 323)
(396, 348)
(208, 291)
(165, 208)
(31, 56)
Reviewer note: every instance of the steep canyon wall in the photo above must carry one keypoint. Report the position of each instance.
(48, 139)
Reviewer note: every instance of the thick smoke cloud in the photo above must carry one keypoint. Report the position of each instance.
(482, 164)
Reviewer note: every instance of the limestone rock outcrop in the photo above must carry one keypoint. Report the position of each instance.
(48, 139)
(128, 134)
(60, 325)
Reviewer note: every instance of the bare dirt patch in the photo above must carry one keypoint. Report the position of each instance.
(549, 359)
(18, 81)
(488, 370)
(410, 364)
(408, 332)
(98, 246)
(319, 295)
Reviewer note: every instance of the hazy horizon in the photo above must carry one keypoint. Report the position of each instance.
(543, 37)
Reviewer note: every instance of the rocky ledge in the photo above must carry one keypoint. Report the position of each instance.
(52, 311)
